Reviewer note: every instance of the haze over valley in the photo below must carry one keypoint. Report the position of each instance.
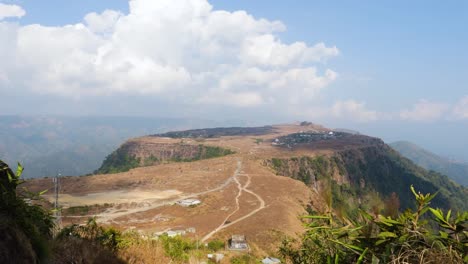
(233, 132)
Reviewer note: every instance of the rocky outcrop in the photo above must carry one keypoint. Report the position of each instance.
(134, 154)
(371, 168)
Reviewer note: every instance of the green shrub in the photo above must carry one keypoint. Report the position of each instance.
(21, 218)
(412, 237)
(216, 245)
(177, 248)
(107, 237)
(244, 259)
(118, 161)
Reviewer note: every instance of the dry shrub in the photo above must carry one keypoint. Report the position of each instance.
(15, 246)
(144, 251)
(84, 251)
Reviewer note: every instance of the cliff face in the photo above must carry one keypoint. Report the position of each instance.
(375, 168)
(134, 154)
(160, 151)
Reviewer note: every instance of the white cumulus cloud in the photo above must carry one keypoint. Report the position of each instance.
(460, 110)
(104, 22)
(425, 111)
(181, 50)
(11, 11)
(353, 111)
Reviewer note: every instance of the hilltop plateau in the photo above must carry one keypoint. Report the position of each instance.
(257, 182)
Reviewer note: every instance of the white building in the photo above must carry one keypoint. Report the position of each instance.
(270, 260)
(189, 202)
(238, 242)
(174, 233)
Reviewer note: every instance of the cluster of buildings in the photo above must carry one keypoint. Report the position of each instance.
(174, 232)
(305, 137)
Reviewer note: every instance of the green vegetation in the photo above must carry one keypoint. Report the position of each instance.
(216, 245)
(305, 169)
(205, 152)
(107, 237)
(24, 227)
(118, 161)
(151, 160)
(455, 170)
(382, 169)
(371, 173)
(208, 152)
(77, 210)
(277, 163)
(258, 141)
(378, 233)
(177, 248)
(26, 235)
(244, 259)
(121, 161)
(423, 235)
(85, 209)
(218, 132)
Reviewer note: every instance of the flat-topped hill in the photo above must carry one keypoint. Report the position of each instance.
(251, 181)
(219, 132)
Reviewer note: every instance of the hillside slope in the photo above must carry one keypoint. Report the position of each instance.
(138, 153)
(270, 178)
(457, 171)
(361, 165)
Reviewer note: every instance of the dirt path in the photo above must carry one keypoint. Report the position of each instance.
(239, 194)
(112, 213)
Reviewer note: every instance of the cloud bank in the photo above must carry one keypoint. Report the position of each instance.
(460, 110)
(7, 11)
(424, 110)
(179, 50)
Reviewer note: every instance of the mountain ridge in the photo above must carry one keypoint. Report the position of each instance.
(457, 171)
(260, 190)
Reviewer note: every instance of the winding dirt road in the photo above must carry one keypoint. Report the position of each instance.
(241, 188)
(110, 214)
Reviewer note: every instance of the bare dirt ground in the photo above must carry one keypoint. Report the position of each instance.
(118, 197)
(239, 194)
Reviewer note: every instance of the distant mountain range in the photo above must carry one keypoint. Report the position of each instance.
(47, 145)
(457, 171)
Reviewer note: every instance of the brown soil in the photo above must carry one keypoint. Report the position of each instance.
(143, 198)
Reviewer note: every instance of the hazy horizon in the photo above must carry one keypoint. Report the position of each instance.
(395, 70)
(445, 148)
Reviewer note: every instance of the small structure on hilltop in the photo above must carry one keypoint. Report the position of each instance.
(271, 260)
(189, 202)
(191, 230)
(238, 242)
(174, 233)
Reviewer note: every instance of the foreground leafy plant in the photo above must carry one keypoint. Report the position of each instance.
(19, 217)
(412, 237)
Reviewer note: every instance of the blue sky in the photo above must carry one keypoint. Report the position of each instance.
(397, 69)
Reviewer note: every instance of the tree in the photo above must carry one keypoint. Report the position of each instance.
(21, 223)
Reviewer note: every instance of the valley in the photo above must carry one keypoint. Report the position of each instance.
(260, 188)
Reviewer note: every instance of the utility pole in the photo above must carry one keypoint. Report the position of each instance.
(57, 211)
